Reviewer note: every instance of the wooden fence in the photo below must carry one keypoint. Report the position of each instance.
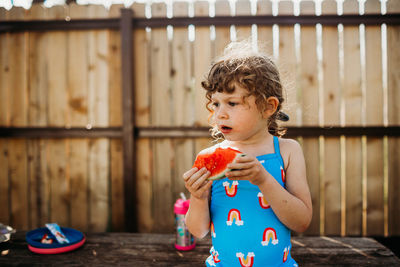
(65, 137)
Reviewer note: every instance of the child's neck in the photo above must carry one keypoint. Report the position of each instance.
(260, 146)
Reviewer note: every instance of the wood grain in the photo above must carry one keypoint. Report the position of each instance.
(127, 249)
(331, 209)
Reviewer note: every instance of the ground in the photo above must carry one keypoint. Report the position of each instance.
(392, 243)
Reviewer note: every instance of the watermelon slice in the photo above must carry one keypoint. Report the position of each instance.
(216, 159)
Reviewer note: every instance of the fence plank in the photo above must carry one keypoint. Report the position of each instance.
(4, 183)
(222, 34)
(98, 185)
(394, 185)
(78, 172)
(77, 76)
(18, 184)
(98, 116)
(352, 97)
(331, 180)
(18, 84)
(374, 116)
(182, 91)
(183, 95)
(37, 70)
(160, 63)
(308, 80)
(264, 33)
(57, 150)
(4, 73)
(115, 119)
(223, 38)
(4, 121)
(117, 189)
(18, 93)
(308, 88)
(44, 185)
(33, 178)
(145, 190)
(393, 68)
(142, 65)
(161, 116)
(38, 183)
(287, 63)
(114, 66)
(332, 187)
(37, 115)
(331, 78)
(375, 187)
(58, 181)
(117, 186)
(57, 80)
(77, 71)
(393, 33)
(243, 8)
(162, 185)
(141, 46)
(98, 70)
(202, 61)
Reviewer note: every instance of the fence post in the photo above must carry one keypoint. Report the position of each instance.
(128, 120)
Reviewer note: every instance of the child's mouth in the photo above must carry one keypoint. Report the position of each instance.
(225, 129)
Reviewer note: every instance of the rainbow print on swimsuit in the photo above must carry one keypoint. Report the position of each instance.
(263, 203)
(212, 230)
(215, 255)
(269, 236)
(283, 175)
(247, 261)
(286, 253)
(234, 216)
(231, 189)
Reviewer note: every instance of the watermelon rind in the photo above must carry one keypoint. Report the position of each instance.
(222, 175)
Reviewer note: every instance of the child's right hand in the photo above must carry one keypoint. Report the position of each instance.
(196, 182)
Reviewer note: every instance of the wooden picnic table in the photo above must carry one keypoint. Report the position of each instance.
(140, 249)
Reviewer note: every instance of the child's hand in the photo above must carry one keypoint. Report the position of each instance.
(196, 182)
(247, 168)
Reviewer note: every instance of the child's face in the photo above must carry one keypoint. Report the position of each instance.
(237, 116)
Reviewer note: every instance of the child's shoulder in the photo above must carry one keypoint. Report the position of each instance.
(288, 148)
(288, 144)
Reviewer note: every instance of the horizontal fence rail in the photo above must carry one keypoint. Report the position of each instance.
(185, 132)
(94, 24)
(270, 20)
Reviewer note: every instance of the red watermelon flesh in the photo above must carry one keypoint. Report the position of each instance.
(216, 161)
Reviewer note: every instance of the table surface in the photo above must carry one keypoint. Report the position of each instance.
(139, 249)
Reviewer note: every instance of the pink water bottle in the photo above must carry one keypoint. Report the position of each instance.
(184, 239)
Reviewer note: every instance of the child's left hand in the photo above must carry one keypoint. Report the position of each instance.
(247, 168)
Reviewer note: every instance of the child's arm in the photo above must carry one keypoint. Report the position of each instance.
(198, 216)
(293, 204)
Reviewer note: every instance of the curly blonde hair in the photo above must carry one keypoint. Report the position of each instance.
(252, 70)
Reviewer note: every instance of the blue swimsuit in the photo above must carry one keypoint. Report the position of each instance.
(244, 229)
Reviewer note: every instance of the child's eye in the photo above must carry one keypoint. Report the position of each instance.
(232, 104)
(215, 104)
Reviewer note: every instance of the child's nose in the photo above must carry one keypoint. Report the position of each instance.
(221, 113)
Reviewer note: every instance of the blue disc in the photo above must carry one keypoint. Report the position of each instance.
(34, 237)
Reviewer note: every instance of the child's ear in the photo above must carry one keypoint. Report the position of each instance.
(271, 106)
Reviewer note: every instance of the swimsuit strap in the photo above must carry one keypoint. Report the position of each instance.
(277, 150)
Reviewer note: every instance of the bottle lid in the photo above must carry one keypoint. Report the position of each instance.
(181, 206)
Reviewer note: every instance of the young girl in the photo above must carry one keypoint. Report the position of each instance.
(265, 195)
